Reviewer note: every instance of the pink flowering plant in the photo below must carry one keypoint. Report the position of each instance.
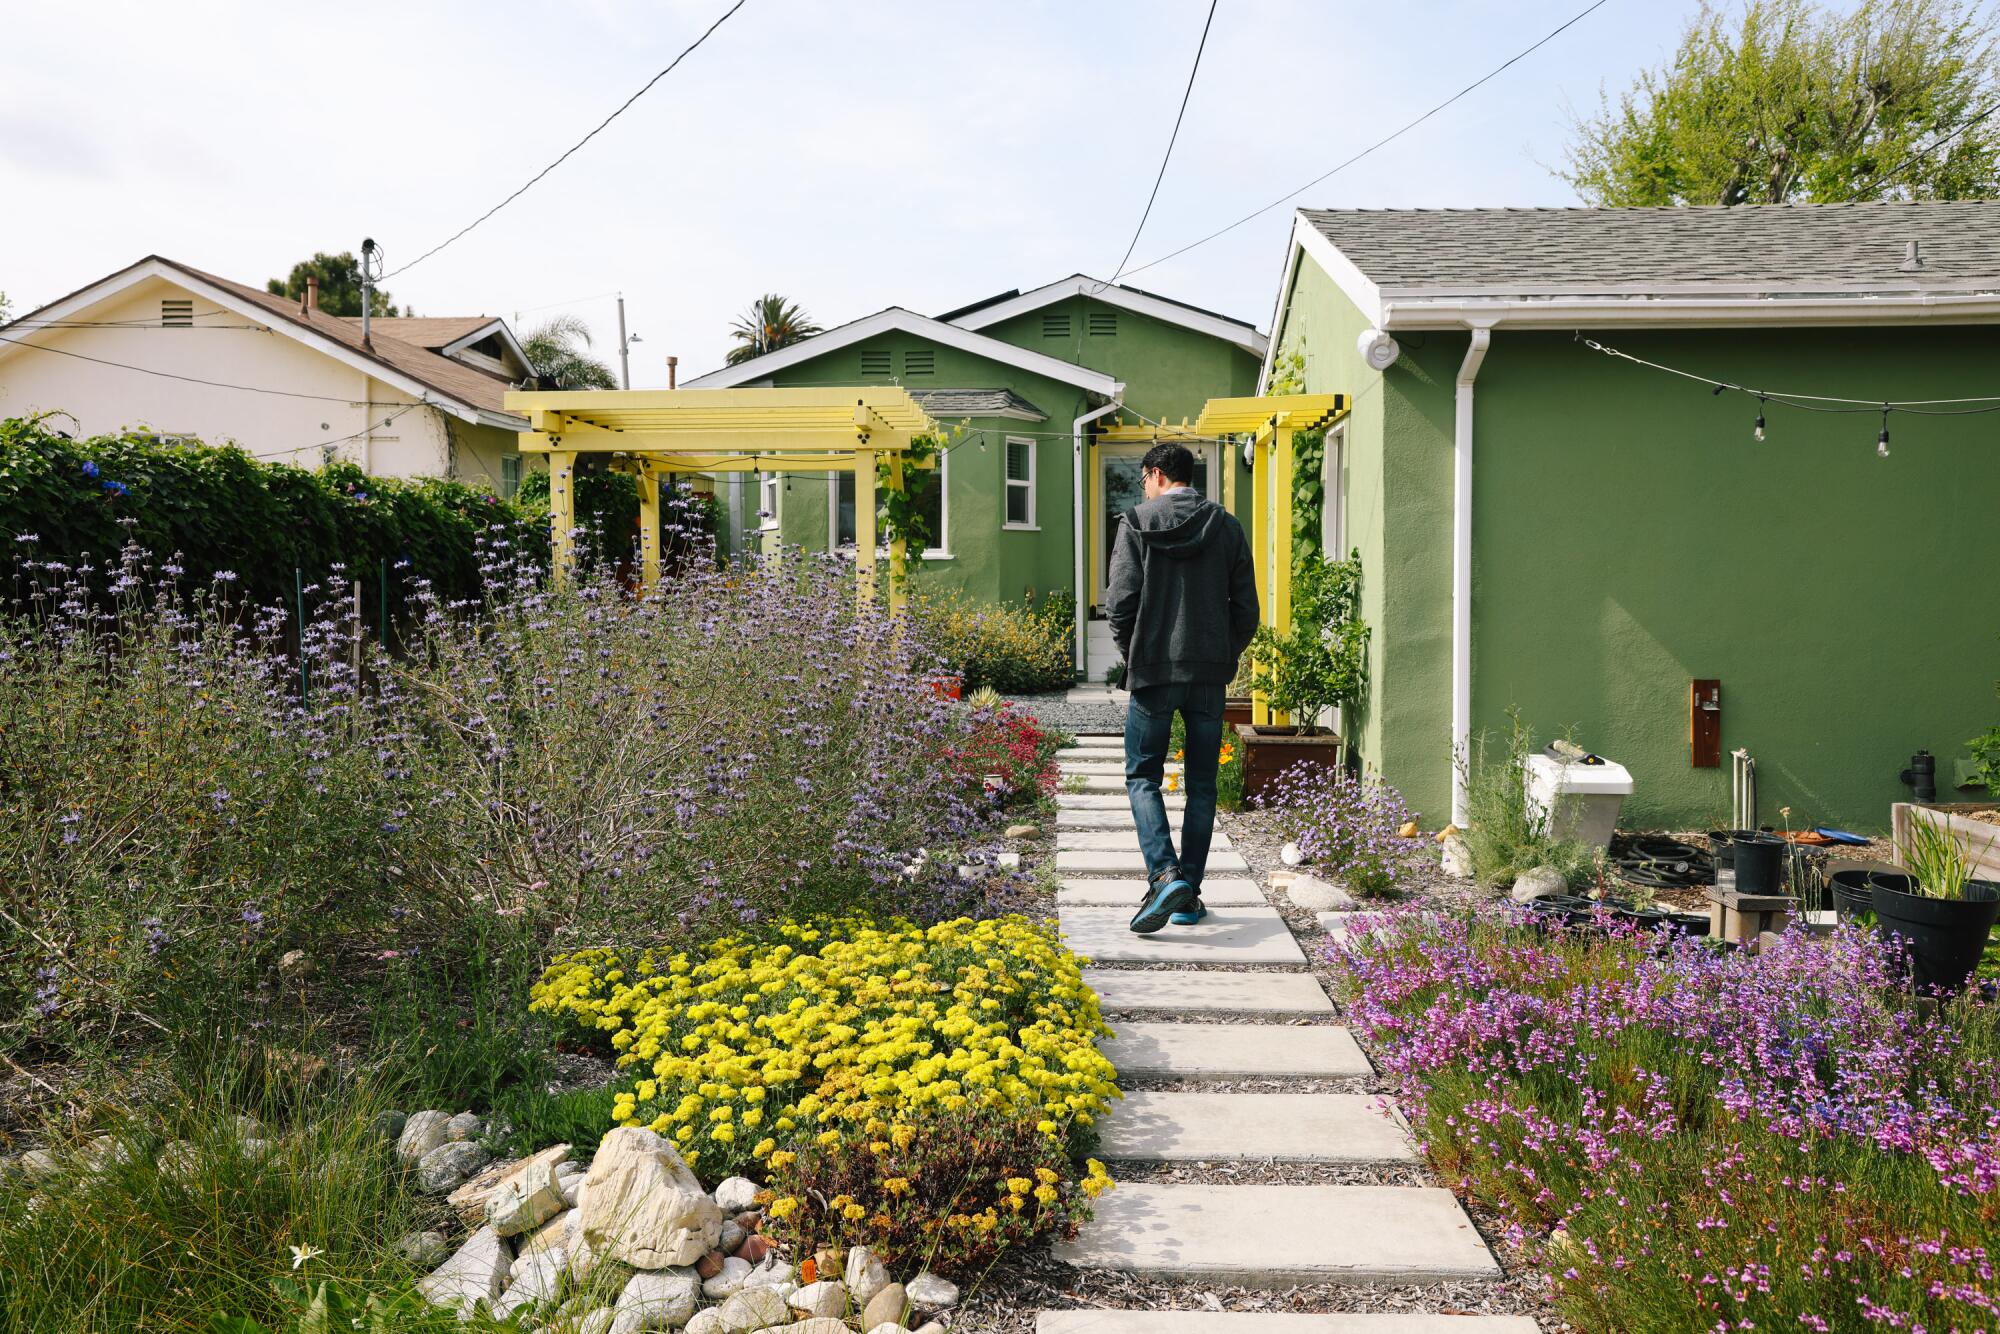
(1685, 1139)
(1349, 826)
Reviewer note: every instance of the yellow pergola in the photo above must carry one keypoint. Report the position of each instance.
(653, 433)
(1270, 422)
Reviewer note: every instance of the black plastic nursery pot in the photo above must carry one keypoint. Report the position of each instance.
(1723, 843)
(1945, 936)
(1853, 893)
(1760, 862)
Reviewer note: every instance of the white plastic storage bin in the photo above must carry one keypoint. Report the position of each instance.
(1581, 801)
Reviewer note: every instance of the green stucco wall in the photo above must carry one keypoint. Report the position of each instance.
(1629, 536)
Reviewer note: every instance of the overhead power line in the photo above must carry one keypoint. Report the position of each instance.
(1167, 156)
(622, 106)
(1385, 140)
(1879, 177)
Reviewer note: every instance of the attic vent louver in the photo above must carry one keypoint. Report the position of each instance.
(875, 365)
(177, 313)
(919, 362)
(1055, 326)
(1103, 324)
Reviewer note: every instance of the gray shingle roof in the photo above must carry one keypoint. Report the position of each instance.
(1794, 247)
(946, 403)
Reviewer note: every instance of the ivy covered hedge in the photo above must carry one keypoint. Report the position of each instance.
(220, 509)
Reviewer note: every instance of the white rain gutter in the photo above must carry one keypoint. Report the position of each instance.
(1077, 494)
(1461, 572)
(1654, 310)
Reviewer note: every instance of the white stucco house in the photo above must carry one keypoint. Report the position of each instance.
(167, 348)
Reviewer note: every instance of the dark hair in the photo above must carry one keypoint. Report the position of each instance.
(1174, 462)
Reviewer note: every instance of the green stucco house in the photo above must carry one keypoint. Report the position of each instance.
(1548, 526)
(1028, 497)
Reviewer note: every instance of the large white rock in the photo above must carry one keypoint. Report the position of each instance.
(752, 1309)
(536, 1278)
(423, 1132)
(865, 1275)
(930, 1293)
(1312, 894)
(643, 1206)
(1292, 855)
(736, 1195)
(1538, 883)
(707, 1321)
(826, 1297)
(1457, 859)
(729, 1280)
(528, 1195)
(478, 1272)
(656, 1299)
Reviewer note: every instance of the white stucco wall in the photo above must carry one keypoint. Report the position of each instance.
(273, 427)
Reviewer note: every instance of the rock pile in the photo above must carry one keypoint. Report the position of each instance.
(632, 1242)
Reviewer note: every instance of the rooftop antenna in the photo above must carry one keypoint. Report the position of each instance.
(371, 273)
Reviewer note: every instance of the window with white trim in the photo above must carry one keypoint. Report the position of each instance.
(767, 501)
(510, 474)
(933, 504)
(1020, 511)
(1333, 495)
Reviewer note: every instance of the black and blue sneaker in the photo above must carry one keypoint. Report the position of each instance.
(1162, 902)
(1191, 917)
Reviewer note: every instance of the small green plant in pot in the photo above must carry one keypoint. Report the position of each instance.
(1318, 664)
(1944, 916)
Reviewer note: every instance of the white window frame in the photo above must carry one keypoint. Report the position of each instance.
(942, 549)
(1008, 483)
(1333, 495)
(767, 501)
(510, 475)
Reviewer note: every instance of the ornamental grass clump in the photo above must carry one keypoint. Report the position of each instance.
(796, 1056)
(1349, 826)
(1692, 1139)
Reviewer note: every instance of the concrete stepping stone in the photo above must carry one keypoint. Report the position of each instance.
(1132, 863)
(1226, 936)
(1109, 764)
(1275, 1322)
(1117, 840)
(1119, 817)
(1096, 695)
(1111, 782)
(1188, 991)
(1107, 749)
(1234, 1127)
(1213, 1052)
(1221, 893)
(1105, 801)
(1263, 1236)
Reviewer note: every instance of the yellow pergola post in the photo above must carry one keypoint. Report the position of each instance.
(562, 513)
(864, 525)
(899, 546)
(649, 527)
(1279, 579)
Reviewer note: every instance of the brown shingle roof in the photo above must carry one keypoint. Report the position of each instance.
(431, 331)
(474, 388)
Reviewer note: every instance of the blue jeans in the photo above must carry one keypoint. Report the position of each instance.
(1149, 729)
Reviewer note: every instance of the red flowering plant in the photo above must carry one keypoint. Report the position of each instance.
(1009, 753)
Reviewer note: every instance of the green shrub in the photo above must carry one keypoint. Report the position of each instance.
(1320, 662)
(1506, 835)
(1018, 648)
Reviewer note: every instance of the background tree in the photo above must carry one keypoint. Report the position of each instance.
(339, 285)
(556, 350)
(4, 308)
(771, 323)
(1798, 103)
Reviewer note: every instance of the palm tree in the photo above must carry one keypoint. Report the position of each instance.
(771, 323)
(556, 350)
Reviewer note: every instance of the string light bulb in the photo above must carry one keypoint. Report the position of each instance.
(1758, 430)
(1882, 440)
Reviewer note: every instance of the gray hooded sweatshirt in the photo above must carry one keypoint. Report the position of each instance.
(1183, 591)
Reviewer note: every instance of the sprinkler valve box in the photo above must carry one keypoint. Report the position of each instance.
(1580, 801)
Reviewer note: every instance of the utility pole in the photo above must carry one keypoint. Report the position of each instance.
(625, 347)
(370, 261)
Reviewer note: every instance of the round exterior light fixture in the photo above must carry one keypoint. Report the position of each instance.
(1377, 349)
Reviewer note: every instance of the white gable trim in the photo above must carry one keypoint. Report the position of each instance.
(495, 325)
(907, 321)
(1125, 298)
(1365, 295)
(127, 278)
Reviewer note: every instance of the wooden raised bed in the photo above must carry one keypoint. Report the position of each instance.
(1270, 751)
(1982, 837)
(1236, 709)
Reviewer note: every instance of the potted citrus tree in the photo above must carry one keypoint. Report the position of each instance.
(1943, 914)
(1313, 669)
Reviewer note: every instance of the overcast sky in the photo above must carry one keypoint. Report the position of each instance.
(852, 155)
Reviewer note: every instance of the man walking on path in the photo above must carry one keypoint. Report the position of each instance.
(1183, 605)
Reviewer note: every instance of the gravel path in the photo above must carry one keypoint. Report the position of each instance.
(1057, 711)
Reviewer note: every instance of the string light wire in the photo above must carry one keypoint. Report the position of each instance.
(1168, 156)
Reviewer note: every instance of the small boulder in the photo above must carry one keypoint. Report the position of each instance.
(1292, 855)
(1538, 883)
(423, 1249)
(256, 1149)
(1312, 894)
(422, 1132)
(752, 1309)
(598, 1321)
(754, 1248)
(643, 1206)
(890, 1306)
(387, 1127)
(1457, 860)
(478, 1272)
(464, 1126)
(656, 1299)
(826, 1297)
(736, 1194)
(40, 1165)
(449, 1166)
(819, 1324)
(706, 1322)
(728, 1280)
(528, 1195)
(732, 1236)
(865, 1275)
(710, 1264)
(931, 1293)
(1022, 830)
(294, 967)
(535, 1278)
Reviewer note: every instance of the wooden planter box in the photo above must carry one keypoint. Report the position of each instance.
(1236, 709)
(1982, 838)
(1268, 752)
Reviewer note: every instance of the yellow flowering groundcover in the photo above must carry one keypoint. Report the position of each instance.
(845, 1042)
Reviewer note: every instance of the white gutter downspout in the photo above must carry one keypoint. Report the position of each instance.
(1077, 494)
(1461, 572)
